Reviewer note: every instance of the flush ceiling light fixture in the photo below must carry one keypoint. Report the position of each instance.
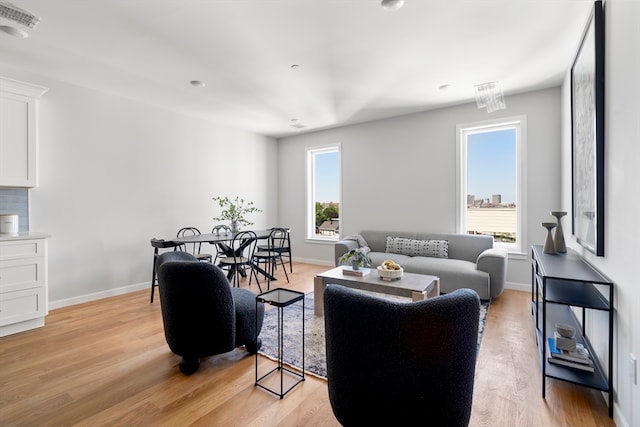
(392, 5)
(296, 124)
(489, 95)
(13, 31)
(197, 83)
(14, 13)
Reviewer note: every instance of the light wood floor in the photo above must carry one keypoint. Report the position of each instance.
(107, 363)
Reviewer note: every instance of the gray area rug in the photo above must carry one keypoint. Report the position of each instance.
(314, 345)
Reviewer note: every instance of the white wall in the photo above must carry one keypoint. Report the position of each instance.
(622, 204)
(115, 173)
(399, 174)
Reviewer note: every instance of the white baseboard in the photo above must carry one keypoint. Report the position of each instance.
(526, 287)
(139, 286)
(98, 295)
(314, 261)
(618, 416)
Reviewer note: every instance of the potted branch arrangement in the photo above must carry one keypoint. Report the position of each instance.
(235, 211)
(356, 258)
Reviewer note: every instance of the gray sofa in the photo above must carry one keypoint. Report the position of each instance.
(471, 262)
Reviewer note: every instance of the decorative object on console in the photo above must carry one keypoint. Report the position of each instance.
(564, 343)
(566, 331)
(549, 246)
(235, 211)
(558, 238)
(578, 358)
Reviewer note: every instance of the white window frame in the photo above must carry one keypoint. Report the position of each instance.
(462, 131)
(311, 196)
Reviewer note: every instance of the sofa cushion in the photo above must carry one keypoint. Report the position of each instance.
(413, 247)
(377, 258)
(453, 273)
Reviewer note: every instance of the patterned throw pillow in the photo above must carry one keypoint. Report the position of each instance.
(412, 247)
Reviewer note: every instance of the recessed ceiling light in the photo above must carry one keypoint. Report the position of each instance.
(295, 66)
(13, 31)
(446, 87)
(392, 5)
(197, 83)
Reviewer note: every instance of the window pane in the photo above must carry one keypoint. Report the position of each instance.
(492, 184)
(325, 208)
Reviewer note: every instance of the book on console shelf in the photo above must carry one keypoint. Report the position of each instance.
(578, 359)
(351, 272)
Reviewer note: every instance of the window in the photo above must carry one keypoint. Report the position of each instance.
(323, 193)
(491, 197)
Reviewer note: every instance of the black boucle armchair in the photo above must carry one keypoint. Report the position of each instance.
(401, 363)
(202, 314)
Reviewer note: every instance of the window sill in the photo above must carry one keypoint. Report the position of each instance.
(518, 256)
(321, 241)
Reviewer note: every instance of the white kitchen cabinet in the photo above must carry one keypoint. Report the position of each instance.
(19, 133)
(23, 282)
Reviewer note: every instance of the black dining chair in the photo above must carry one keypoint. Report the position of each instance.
(239, 258)
(220, 248)
(271, 254)
(158, 244)
(193, 247)
(283, 248)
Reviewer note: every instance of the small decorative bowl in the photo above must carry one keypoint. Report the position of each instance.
(566, 331)
(390, 274)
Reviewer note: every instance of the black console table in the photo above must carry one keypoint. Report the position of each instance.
(558, 283)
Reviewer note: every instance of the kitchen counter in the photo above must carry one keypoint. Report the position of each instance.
(23, 236)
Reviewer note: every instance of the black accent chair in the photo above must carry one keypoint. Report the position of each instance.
(407, 363)
(202, 314)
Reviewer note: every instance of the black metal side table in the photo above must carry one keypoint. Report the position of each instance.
(281, 298)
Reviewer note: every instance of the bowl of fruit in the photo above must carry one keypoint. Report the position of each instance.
(390, 270)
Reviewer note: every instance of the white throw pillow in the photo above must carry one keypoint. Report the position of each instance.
(412, 247)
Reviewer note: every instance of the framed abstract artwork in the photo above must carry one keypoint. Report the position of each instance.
(587, 135)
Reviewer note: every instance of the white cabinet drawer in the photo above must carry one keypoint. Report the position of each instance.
(22, 248)
(22, 305)
(23, 283)
(17, 274)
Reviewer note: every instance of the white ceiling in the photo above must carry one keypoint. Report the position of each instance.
(357, 61)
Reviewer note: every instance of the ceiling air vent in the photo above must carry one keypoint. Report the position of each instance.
(21, 16)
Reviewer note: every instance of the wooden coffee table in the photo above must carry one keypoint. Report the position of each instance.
(411, 285)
